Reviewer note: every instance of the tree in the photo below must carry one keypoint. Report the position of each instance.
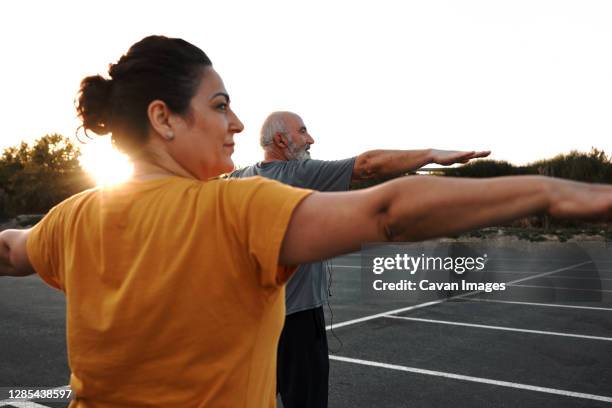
(594, 166)
(484, 168)
(35, 178)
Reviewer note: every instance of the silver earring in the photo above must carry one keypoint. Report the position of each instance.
(170, 135)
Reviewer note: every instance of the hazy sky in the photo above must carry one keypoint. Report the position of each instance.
(526, 79)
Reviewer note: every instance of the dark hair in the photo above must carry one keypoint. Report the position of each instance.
(156, 67)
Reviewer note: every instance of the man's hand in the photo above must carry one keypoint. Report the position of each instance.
(382, 164)
(448, 157)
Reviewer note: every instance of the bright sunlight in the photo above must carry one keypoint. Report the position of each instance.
(107, 165)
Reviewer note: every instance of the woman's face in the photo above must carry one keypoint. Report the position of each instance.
(204, 138)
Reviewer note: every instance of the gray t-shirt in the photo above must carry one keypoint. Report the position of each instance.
(307, 288)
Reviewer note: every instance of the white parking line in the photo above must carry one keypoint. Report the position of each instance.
(513, 329)
(556, 276)
(511, 272)
(501, 272)
(552, 260)
(540, 304)
(480, 380)
(22, 404)
(504, 272)
(581, 278)
(560, 288)
(438, 301)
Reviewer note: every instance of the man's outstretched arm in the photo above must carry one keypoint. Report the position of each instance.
(13, 255)
(390, 163)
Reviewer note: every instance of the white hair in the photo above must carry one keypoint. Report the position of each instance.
(274, 123)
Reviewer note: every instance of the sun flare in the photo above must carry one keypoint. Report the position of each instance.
(105, 164)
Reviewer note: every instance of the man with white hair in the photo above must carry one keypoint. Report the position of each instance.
(303, 361)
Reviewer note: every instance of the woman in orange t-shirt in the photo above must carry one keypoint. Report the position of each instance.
(173, 285)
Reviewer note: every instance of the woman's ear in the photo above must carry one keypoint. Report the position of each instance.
(159, 119)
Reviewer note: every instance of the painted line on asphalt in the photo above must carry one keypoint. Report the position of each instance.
(504, 328)
(581, 278)
(540, 304)
(470, 378)
(437, 270)
(438, 301)
(499, 272)
(23, 404)
(525, 273)
(559, 288)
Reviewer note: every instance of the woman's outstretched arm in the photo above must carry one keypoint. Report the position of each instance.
(419, 208)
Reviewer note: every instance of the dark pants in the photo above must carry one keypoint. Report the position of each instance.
(302, 371)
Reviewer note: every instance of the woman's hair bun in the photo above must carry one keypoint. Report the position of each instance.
(155, 68)
(94, 104)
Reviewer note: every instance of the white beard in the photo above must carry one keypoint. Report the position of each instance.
(297, 154)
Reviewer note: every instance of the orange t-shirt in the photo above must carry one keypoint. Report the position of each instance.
(174, 293)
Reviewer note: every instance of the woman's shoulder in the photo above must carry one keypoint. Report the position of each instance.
(251, 182)
(250, 187)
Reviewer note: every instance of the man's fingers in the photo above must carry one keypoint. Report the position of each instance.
(462, 156)
(467, 156)
(451, 157)
(484, 153)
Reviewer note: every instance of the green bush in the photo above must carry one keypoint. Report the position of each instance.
(594, 166)
(35, 178)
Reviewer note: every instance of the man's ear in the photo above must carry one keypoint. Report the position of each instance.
(280, 140)
(159, 119)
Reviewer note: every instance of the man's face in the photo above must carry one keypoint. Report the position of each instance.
(298, 139)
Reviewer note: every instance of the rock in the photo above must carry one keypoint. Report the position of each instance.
(21, 221)
(9, 224)
(26, 220)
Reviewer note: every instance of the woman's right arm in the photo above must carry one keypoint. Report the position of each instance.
(13, 257)
(419, 208)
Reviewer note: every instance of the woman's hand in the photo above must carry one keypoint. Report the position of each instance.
(13, 254)
(571, 199)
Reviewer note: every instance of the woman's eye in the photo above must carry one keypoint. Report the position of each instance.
(222, 107)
